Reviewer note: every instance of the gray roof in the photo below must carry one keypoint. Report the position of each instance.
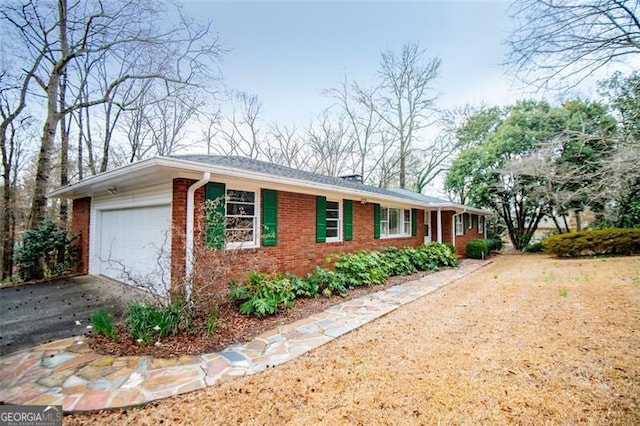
(285, 172)
(277, 170)
(419, 196)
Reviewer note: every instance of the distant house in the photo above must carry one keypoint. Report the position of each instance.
(289, 219)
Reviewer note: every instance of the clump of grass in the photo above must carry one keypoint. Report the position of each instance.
(212, 320)
(103, 324)
(564, 292)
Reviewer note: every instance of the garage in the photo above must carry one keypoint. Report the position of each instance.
(133, 245)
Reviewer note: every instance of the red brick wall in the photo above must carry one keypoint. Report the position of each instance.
(179, 228)
(80, 222)
(446, 217)
(297, 250)
(470, 234)
(447, 230)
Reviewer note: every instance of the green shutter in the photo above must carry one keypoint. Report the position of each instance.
(215, 210)
(321, 219)
(414, 222)
(376, 221)
(347, 207)
(465, 223)
(269, 217)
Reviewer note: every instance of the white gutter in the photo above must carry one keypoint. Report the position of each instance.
(190, 231)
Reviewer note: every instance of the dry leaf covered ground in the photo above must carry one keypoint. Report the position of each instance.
(526, 340)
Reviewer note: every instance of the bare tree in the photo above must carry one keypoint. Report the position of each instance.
(165, 121)
(332, 147)
(559, 43)
(363, 121)
(13, 150)
(288, 148)
(387, 159)
(56, 35)
(402, 101)
(210, 132)
(241, 132)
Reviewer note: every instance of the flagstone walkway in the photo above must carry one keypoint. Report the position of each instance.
(69, 373)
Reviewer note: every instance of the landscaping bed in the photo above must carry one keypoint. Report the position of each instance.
(232, 326)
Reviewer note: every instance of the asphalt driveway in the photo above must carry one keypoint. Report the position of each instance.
(33, 314)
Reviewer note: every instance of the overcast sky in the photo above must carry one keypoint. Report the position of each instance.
(288, 52)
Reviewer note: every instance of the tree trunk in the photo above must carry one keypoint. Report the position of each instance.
(39, 201)
(64, 150)
(80, 142)
(578, 220)
(7, 220)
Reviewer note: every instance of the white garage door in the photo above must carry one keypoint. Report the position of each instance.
(134, 246)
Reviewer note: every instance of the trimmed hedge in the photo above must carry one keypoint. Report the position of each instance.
(477, 249)
(613, 241)
(494, 244)
(534, 248)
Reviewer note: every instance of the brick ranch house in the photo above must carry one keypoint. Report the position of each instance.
(289, 219)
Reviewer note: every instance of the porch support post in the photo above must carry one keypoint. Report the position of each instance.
(439, 226)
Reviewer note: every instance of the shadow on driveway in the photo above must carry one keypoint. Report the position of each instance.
(33, 314)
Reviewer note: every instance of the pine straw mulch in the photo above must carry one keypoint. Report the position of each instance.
(526, 340)
(232, 326)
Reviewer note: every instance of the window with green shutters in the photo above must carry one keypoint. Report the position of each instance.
(231, 217)
(269, 217)
(458, 224)
(215, 215)
(328, 220)
(394, 222)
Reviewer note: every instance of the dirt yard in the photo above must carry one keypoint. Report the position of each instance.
(526, 340)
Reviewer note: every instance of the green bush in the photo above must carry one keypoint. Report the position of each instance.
(477, 249)
(47, 251)
(611, 241)
(302, 287)
(534, 248)
(493, 244)
(263, 294)
(103, 324)
(328, 282)
(150, 322)
(443, 254)
(363, 268)
(401, 261)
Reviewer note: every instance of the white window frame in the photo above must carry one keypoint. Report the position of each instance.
(427, 223)
(256, 219)
(458, 224)
(384, 233)
(339, 237)
(480, 227)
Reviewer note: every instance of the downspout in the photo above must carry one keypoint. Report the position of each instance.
(188, 270)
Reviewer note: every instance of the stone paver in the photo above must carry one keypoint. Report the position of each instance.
(68, 373)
